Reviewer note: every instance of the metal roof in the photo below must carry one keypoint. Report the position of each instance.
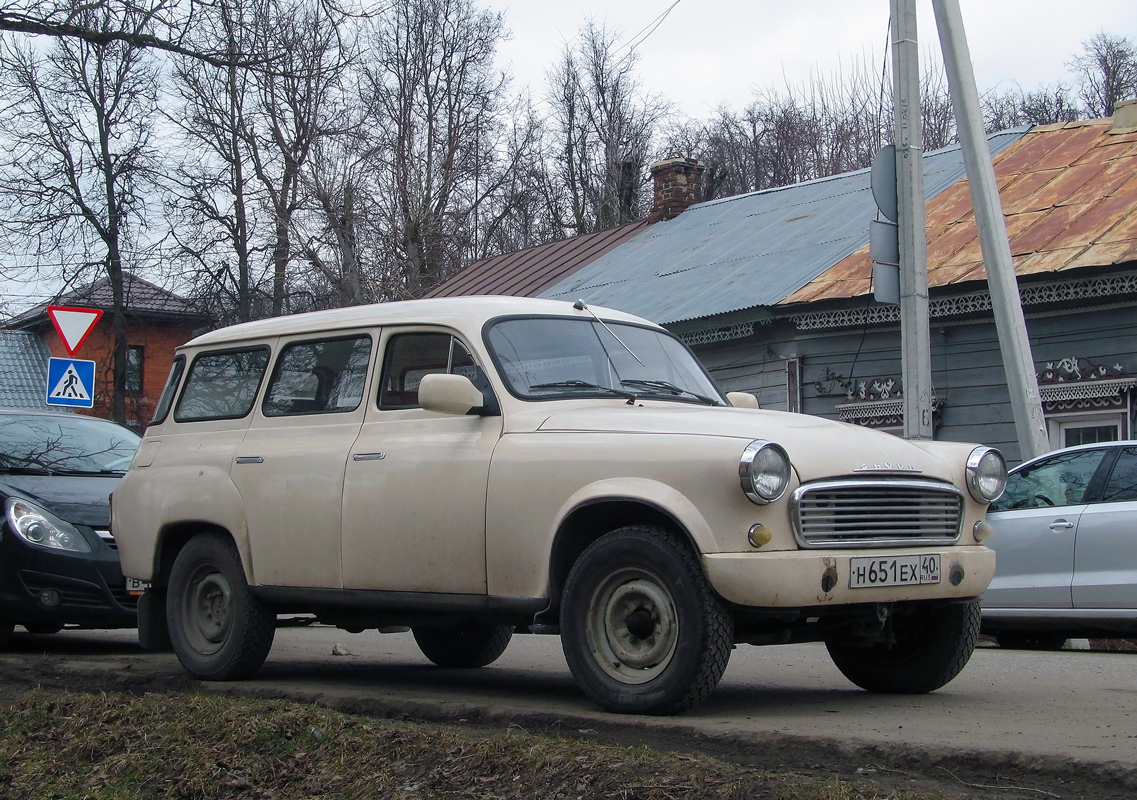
(746, 251)
(23, 370)
(1069, 196)
(527, 273)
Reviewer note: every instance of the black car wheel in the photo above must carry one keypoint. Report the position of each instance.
(219, 630)
(43, 627)
(933, 645)
(466, 645)
(641, 628)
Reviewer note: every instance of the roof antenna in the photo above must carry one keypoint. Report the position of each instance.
(580, 306)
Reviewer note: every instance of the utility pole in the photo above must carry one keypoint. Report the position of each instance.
(915, 339)
(1026, 404)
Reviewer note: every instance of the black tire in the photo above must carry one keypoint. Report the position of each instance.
(43, 628)
(641, 628)
(933, 645)
(466, 645)
(219, 630)
(1030, 640)
(6, 628)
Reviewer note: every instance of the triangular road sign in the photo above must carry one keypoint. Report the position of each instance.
(73, 324)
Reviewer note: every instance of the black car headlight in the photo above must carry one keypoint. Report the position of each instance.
(986, 474)
(42, 528)
(764, 471)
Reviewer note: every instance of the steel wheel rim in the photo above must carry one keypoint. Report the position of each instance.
(633, 597)
(207, 609)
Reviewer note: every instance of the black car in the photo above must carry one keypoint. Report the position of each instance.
(58, 561)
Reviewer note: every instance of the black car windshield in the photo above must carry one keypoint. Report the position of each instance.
(64, 444)
(553, 357)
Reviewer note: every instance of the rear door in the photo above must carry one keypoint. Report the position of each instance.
(1036, 525)
(1105, 555)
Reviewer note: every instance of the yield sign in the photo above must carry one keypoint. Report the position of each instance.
(73, 324)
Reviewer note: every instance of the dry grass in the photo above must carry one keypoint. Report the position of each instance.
(72, 746)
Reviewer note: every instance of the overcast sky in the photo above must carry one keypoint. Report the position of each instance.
(708, 52)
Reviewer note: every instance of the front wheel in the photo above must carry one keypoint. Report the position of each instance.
(219, 630)
(466, 645)
(641, 628)
(933, 644)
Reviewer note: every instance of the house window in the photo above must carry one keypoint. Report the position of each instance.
(135, 354)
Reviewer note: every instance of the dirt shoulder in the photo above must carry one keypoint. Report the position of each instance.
(769, 765)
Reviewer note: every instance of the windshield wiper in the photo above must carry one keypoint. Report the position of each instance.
(670, 388)
(576, 384)
(5, 470)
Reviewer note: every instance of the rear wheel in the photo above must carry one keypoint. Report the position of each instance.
(933, 644)
(463, 646)
(641, 628)
(219, 630)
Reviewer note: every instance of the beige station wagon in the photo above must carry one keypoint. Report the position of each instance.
(473, 468)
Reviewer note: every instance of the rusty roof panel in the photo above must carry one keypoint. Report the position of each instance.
(1093, 224)
(1020, 192)
(1074, 143)
(1102, 254)
(1047, 261)
(1045, 229)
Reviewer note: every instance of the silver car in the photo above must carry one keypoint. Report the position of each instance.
(1066, 548)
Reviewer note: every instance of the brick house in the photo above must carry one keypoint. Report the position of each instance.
(157, 321)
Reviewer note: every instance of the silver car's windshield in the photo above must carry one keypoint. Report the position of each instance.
(551, 357)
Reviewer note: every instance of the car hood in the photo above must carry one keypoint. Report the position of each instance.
(818, 448)
(78, 499)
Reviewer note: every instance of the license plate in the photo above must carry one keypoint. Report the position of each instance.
(136, 587)
(866, 573)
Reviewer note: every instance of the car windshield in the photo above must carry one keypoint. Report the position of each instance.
(64, 444)
(552, 357)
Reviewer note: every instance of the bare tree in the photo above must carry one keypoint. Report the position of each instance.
(604, 129)
(77, 130)
(1012, 108)
(1107, 72)
(210, 194)
(436, 105)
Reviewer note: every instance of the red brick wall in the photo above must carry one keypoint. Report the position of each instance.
(158, 340)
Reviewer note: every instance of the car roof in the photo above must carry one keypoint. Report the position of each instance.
(451, 311)
(1076, 448)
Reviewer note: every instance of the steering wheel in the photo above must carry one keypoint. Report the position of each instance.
(1041, 500)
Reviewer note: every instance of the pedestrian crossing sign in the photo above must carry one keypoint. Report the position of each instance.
(70, 382)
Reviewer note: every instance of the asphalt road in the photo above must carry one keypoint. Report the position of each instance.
(1009, 715)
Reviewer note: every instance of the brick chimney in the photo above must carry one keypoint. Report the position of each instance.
(677, 182)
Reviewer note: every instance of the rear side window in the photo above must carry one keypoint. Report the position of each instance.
(222, 385)
(1122, 484)
(167, 398)
(1058, 481)
(411, 357)
(319, 377)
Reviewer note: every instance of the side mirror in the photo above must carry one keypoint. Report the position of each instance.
(451, 394)
(742, 399)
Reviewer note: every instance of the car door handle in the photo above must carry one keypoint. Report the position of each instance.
(368, 456)
(1060, 525)
(250, 459)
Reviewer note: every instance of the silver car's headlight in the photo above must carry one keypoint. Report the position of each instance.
(42, 528)
(986, 474)
(764, 471)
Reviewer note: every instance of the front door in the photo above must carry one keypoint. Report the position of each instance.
(414, 500)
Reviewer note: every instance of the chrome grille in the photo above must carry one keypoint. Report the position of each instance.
(880, 513)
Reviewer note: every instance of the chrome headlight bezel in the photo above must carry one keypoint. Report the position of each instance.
(40, 528)
(986, 474)
(764, 471)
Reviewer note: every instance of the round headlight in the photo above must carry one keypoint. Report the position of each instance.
(764, 471)
(986, 474)
(42, 528)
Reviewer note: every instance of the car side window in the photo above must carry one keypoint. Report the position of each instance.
(1058, 481)
(166, 399)
(222, 385)
(1122, 484)
(412, 356)
(318, 377)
